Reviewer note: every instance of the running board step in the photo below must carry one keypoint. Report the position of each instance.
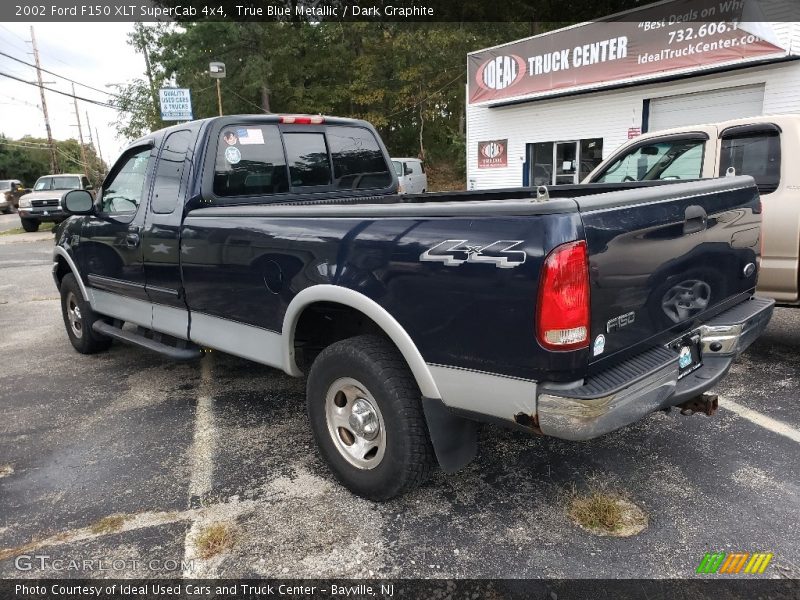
(191, 352)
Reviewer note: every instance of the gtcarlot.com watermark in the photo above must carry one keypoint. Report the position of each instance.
(44, 562)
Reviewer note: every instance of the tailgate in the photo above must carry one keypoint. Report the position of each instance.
(664, 259)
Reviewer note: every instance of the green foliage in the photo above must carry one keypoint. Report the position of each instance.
(408, 79)
(28, 158)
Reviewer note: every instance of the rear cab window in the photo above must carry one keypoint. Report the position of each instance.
(752, 152)
(267, 159)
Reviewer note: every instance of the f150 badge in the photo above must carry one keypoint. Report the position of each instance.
(457, 252)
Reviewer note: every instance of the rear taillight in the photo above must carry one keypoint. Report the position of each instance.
(302, 119)
(562, 314)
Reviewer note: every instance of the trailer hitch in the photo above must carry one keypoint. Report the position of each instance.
(704, 403)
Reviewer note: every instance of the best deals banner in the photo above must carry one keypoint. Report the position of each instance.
(660, 40)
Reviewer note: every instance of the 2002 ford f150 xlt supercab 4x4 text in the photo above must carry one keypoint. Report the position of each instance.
(281, 239)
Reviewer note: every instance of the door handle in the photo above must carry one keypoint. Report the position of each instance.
(132, 237)
(695, 219)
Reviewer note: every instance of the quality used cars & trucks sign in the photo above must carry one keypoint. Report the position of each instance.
(660, 41)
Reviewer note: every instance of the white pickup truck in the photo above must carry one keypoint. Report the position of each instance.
(764, 147)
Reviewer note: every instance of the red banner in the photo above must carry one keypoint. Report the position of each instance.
(604, 52)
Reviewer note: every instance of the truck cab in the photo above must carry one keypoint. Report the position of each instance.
(760, 147)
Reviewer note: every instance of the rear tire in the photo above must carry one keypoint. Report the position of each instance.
(79, 318)
(366, 414)
(30, 225)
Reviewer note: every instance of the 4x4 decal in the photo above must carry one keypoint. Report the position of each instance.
(457, 252)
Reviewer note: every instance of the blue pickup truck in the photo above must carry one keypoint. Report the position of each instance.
(568, 312)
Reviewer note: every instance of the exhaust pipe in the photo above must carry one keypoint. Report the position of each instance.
(704, 403)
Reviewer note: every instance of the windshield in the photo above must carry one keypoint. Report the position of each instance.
(5, 185)
(398, 167)
(58, 183)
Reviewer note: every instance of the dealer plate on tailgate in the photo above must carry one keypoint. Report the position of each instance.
(689, 357)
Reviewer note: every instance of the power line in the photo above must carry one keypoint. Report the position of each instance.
(19, 60)
(426, 98)
(89, 100)
(260, 108)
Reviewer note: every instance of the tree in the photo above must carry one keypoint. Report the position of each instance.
(406, 78)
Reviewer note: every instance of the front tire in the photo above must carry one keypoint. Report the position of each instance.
(30, 225)
(366, 414)
(79, 318)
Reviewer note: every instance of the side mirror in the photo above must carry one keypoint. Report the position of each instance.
(78, 202)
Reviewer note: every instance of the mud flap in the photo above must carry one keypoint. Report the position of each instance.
(454, 439)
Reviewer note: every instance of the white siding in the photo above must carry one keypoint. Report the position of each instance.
(609, 114)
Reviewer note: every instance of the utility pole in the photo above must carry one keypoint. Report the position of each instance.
(89, 129)
(99, 150)
(50, 142)
(80, 133)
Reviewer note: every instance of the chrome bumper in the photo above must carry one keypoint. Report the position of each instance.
(628, 392)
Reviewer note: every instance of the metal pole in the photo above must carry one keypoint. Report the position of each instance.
(50, 142)
(219, 97)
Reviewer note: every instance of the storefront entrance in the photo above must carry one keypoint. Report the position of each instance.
(569, 161)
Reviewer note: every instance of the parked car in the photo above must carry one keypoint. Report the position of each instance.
(43, 204)
(411, 176)
(413, 318)
(761, 147)
(10, 191)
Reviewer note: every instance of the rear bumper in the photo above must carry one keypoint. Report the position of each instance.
(628, 392)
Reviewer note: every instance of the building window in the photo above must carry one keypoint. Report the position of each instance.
(563, 162)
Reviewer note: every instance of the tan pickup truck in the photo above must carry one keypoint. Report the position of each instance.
(763, 147)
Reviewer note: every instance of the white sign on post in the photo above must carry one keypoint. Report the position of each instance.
(176, 104)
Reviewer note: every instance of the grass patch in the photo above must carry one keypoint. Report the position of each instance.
(214, 539)
(18, 230)
(108, 524)
(604, 511)
(6, 470)
(598, 510)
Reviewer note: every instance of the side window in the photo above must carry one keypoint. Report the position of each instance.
(123, 193)
(677, 159)
(169, 172)
(756, 154)
(422, 167)
(250, 161)
(685, 166)
(358, 161)
(307, 156)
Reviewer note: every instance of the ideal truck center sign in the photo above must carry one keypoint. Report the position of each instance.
(176, 104)
(601, 53)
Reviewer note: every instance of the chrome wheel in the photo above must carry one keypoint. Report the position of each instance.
(74, 315)
(355, 423)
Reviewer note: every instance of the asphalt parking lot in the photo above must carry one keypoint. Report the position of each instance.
(173, 447)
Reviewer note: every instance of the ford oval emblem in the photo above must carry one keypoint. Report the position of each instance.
(749, 269)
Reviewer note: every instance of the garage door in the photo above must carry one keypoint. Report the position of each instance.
(706, 107)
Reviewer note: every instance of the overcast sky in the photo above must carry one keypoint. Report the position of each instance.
(92, 53)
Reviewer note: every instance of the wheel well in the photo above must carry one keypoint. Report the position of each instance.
(324, 323)
(62, 269)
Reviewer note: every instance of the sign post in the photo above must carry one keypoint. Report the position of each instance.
(176, 104)
(217, 71)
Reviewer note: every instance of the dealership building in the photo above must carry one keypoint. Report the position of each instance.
(547, 109)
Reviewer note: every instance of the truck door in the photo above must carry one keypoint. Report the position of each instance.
(161, 244)
(110, 251)
(755, 150)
